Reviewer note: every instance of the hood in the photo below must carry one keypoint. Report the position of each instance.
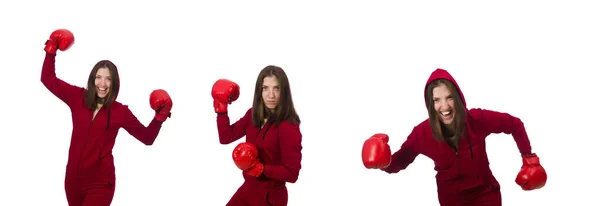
(443, 74)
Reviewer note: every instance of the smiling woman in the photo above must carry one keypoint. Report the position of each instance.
(445, 105)
(454, 138)
(90, 173)
(103, 85)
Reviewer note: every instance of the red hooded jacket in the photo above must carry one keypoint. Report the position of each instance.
(464, 174)
(92, 139)
(279, 147)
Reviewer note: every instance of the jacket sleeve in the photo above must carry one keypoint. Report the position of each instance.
(64, 91)
(407, 153)
(135, 128)
(290, 146)
(499, 122)
(230, 133)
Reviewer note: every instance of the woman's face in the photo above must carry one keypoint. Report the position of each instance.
(103, 82)
(444, 103)
(271, 92)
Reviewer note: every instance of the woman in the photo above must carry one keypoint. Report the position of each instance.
(454, 138)
(271, 154)
(97, 118)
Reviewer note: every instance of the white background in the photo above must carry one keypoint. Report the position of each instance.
(355, 69)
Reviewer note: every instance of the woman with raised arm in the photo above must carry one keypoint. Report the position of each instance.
(97, 117)
(271, 155)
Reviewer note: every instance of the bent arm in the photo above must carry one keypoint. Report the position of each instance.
(407, 153)
(230, 133)
(135, 128)
(290, 146)
(61, 89)
(499, 122)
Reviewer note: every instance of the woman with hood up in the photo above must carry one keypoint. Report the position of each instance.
(97, 118)
(454, 138)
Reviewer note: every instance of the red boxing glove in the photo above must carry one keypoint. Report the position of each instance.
(257, 170)
(161, 102)
(224, 92)
(245, 155)
(532, 175)
(61, 39)
(376, 153)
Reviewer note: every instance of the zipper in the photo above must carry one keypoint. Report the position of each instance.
(267, 130)
(268, 125)
(85, 140)
(462, 198)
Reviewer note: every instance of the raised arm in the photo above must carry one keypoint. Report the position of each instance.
(407, 153)
(135, 128)
(161, 103)
(228, 132)
(59, 39)
(224, 92)
(499, 122)
(290, 146)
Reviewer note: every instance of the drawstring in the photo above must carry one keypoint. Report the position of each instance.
(470, 146)
(107, 119)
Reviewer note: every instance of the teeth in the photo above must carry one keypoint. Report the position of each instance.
(445, 113)
(102, 89)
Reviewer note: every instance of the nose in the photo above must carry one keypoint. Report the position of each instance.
(444, 105)
(271, 94)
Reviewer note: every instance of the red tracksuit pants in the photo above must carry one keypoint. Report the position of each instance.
(489, 199)
(255, 193)
(490, 196)
(89, 193)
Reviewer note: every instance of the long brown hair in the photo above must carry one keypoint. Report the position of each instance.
(458, 124)
(91, 95)
(285, 110)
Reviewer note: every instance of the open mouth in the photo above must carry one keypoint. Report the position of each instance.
(446, 114)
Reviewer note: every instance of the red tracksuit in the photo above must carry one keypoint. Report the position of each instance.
(279, 149)
(463, 177)
(90, 171)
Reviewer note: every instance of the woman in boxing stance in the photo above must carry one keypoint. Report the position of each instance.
(454, 138)
(271, 155)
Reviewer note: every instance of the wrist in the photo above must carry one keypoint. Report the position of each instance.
(50, 47)
(220, 107)
(162, 116)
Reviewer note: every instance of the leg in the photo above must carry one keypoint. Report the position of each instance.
(74, 195)
(99, 194)
(270, 197)
(238, 199)
(493, 198)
